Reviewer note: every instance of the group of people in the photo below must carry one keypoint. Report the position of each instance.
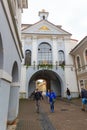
(83, 97)
(51, 95)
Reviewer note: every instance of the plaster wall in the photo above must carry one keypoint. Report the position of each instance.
(69, 45)
(4, 99)
(9, 49)
(70, 81)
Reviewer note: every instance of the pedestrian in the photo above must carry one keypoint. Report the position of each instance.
(37, 96)
(84, 98)
(68, 94)
(52, 98)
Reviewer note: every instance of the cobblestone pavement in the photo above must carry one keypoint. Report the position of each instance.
(67, 116)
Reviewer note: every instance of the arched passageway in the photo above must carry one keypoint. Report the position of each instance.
(51, 79)
(14, 95)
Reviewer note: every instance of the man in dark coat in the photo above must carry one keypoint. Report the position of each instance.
(37, 97)
(84, 98)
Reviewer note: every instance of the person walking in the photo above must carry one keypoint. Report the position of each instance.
(37, 96)
(52, 98)
(68, 94)
(84, 98)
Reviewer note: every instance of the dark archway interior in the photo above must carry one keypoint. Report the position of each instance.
(15, 77)
(51, 78)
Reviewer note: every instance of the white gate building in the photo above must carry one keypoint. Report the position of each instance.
(46, 49)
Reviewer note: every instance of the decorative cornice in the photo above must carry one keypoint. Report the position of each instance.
(5, 76)
(79, 45)
(15, 84)
(15, 27)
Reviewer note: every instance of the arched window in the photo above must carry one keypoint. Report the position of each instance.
(27, 57)
(43, 17)
(86, 56)
(44, 53)
(1, 53)
(61, 57)
(78, 62)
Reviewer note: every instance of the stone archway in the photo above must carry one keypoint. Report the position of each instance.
(14, 95)
(52, 79)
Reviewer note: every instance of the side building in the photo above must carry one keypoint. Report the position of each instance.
(10, 59)
(79, 54)
(46, 49)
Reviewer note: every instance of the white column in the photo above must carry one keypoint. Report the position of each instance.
(34, 50)
(55, 51)
(4, 100)
(13, 102)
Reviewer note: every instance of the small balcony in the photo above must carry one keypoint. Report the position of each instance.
(82, 69)
(46, 66)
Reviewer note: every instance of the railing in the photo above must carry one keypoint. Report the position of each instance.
(46, 66)
(82, 69)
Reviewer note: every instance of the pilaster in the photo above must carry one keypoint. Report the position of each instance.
(55, 51)
(34, 50)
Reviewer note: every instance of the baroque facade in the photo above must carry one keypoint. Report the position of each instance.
(46, 49)
(10, 59)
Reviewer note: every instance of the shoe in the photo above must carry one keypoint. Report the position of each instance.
(83, 109)
(52, 111)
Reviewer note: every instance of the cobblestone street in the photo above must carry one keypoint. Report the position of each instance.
(67, 116)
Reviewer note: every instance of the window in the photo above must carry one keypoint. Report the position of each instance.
(85, 82)
(27, 57)
(78, 62)
(43, 17)
(1, 53)
(44, 53)
(86, 56)
(61, 57)
(81, 83)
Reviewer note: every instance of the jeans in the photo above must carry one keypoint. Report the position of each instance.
(37, 105)
(84, 100)
(52, 106)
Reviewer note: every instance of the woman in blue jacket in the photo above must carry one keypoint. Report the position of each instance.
(52, 97)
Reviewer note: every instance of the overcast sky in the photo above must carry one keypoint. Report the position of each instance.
(71, 14)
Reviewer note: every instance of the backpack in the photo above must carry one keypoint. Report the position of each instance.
(38, 95)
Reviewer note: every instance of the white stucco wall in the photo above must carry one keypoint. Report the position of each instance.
(70, 81)
(9, 49)
(69, 45)
(4, 99)
(23, 79)
(11, 53)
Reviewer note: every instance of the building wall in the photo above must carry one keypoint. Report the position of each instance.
(81, 72)
(10, 61)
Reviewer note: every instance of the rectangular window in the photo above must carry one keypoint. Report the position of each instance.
(85, 82)
(81, 83)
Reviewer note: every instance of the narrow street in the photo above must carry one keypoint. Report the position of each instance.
(67, 116)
